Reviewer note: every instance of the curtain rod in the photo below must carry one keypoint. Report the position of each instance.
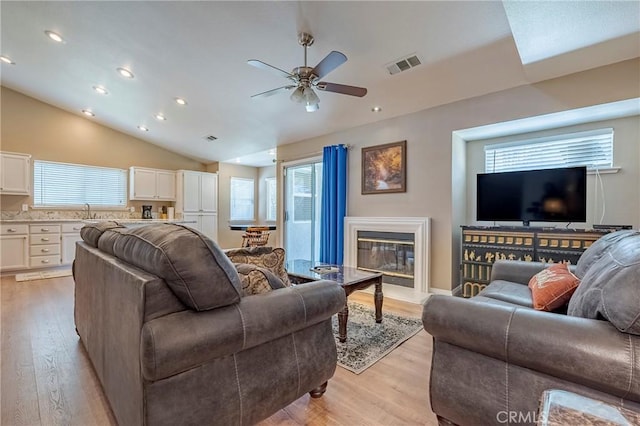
(308, 155)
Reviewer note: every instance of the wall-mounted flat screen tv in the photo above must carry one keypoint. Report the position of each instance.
(549, 195)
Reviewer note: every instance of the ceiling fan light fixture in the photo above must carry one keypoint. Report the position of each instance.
(310, 96)
(312, 107)
(298, 95)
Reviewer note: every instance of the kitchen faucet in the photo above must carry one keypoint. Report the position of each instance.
(89, 212)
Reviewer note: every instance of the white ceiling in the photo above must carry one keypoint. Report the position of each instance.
(198, 50)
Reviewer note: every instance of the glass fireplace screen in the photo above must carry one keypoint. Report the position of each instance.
(391, 253)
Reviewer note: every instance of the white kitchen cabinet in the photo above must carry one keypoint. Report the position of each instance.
(197, 192)
(207, 223)
(44, 245)
(14, 246)
(152, 184)
(70, 235)
(197, 200)
(15, 174)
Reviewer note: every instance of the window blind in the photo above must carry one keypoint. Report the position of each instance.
(302, 190)
(242, 193)
(64, 184)
(593, 149)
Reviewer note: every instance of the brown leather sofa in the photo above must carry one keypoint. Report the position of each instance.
(174, 339)
(494, 355)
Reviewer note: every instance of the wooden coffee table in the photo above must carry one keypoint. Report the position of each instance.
(350, 278)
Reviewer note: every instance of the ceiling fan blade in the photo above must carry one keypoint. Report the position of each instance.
(330, 62)
(341, 88)
(273, 91)
(262, 65)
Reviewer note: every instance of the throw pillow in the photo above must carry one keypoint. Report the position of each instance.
(257, 280)
(552, 287)
(266, 257)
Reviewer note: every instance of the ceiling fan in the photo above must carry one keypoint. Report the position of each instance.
(304, 79)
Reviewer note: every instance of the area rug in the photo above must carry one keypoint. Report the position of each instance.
(368, 342)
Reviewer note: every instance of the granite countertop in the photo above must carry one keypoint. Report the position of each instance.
(40, 220)
(123, 221)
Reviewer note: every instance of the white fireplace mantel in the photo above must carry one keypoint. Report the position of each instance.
(418, 226)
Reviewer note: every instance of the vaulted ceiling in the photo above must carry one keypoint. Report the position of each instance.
(199, 51)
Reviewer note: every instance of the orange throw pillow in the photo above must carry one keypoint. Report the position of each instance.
(552, 287)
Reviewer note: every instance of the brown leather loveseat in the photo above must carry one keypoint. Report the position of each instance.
(494, 355)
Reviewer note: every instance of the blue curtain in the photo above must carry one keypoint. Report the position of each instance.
(334, 204)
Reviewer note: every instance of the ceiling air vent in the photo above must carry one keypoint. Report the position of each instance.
(403, 64)
(210, 138)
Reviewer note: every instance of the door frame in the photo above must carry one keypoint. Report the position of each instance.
(315, 158)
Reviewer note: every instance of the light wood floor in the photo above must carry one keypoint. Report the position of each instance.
(47, 379)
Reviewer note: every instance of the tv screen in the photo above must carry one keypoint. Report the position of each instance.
(549, 195)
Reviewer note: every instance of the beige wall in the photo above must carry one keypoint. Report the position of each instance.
(48, 133)
(263, 173)
(622, 198)
(226, 237)
(432, 156)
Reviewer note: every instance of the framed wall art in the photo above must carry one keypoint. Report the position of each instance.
(384, 168)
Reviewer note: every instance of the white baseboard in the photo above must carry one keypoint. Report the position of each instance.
(407, 294)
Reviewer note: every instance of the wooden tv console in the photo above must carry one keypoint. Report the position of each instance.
(481, 246)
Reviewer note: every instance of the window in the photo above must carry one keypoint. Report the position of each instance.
(242, 193)
(593, 149)
(272, 198)
(63, 184)
(302, 188)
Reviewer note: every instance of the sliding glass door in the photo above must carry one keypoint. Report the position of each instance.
(303, 190)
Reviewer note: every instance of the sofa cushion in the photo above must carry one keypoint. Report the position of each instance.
(266, 257)
(552, 287)
(507, 291)
(610, 288)
(193, 266)
(599, 249)
(92, 232)
(257, 280)
(109, 238)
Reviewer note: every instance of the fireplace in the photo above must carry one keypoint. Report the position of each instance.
(391, 253)
(396, 246)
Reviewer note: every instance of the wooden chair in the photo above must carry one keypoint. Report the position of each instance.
(255, 236)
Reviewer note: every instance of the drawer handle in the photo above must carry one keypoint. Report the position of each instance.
(44, 239)
(45, 250)
(76, 229)
(12, 230)
(45, 261)
(44, 229)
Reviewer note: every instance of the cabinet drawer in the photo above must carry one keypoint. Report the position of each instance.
(14, 229)
(44, 239)
(44, 229)
(44, 250)
(72, 227)
(39, 261)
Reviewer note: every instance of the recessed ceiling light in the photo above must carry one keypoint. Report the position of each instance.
(272, 152)
(88, 113)
(100, 89)
(7, 60)
(125, 72)
(181, 101)
(143, 128)
(54, 36)
(237, 160)
(376, 109)
(160, 117)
